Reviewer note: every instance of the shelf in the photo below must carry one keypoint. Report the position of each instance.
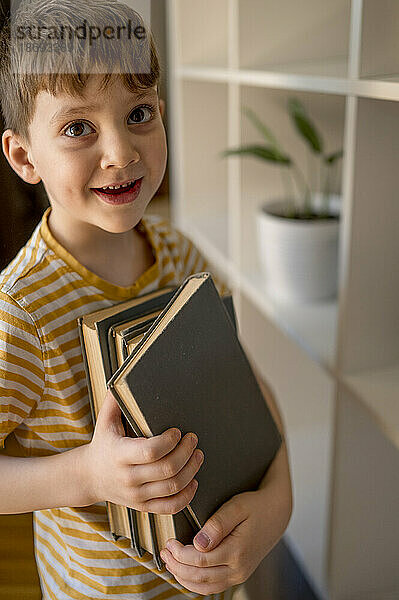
(392, 78)
(377, 89)
(335, 66)
(267, 79)
(380, 88)
(379, 390)
(326, 360)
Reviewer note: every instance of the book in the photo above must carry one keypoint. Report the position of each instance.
(142, 521)
(93, 329)
(122, 338)
(96, 332)
(206, 385)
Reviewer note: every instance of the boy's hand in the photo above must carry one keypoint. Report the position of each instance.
(242, 532)
(151, 475)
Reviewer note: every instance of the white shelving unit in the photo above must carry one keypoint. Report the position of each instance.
(333, 365)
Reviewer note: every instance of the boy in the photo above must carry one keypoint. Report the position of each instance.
(80, 132)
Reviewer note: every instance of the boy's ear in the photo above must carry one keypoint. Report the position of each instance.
(162, 107)
(17, 154)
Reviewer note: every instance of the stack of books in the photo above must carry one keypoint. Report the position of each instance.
(172, 358)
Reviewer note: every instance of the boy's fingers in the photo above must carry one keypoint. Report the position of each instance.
(141, 451)
(110, 414)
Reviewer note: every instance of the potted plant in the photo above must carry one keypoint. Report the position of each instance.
(297, 237)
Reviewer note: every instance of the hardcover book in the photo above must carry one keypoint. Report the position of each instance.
(93, 333)
(206, 385)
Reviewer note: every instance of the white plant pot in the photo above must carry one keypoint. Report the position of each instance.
(299, 258)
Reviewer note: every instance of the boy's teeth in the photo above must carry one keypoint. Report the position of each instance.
(116, 187)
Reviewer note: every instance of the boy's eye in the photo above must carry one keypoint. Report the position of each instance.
(77, 128)
(140, 111)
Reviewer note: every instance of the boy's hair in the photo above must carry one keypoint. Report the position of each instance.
(23, 74)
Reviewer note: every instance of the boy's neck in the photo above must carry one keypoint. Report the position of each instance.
(118, 258)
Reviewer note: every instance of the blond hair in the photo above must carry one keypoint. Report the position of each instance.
(23, 74)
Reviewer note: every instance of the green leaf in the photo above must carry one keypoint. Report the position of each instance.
(331, 158)
(304, 125)
(261, 127)
(263, 152)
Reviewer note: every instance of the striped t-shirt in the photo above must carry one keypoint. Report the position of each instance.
(44, 402)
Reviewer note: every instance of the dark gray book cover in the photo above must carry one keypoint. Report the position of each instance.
(196, 376)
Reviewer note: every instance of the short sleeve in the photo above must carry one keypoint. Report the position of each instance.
(194, 262)
(21, 366)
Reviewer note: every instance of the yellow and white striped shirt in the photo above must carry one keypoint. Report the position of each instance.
(44, 402)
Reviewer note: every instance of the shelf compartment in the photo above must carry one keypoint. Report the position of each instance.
(308, 37)
(380, 51)
(364, 525)
(204, 195)
(369, 323)
(263, 181)
(202, 32)
(312, 325)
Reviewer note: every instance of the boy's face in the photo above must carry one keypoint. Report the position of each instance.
(118, 141)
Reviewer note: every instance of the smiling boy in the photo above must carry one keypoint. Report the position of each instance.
(117, 139)
(84, 134)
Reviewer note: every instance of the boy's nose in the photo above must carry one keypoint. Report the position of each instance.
(119, 151)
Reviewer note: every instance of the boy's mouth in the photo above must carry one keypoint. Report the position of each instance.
(122, 195)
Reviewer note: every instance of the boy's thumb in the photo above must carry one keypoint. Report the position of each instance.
(109, 417)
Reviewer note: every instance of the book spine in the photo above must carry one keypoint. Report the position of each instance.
(137, 431)
(86, 368)
(154, 539)
(125, 411)
(111, 350)
(134, 531)
(93, 416)
(151, 518)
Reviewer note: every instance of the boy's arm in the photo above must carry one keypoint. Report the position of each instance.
(280, 462)
(22, 371)
(37, 483)
(91, 473)
(29, 484)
